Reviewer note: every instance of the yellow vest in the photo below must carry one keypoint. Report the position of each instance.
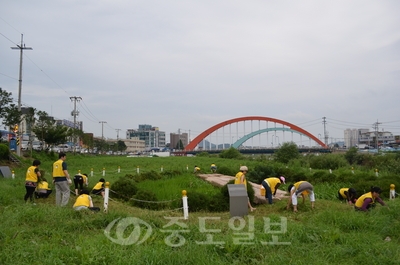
(238, 178)
(272, 183)
(43, 185)
(82, 200)
(31, 174)
(98, 186)
(341, 191)
(297, 184)
(360, 201)
(57, 169)
(84, 179)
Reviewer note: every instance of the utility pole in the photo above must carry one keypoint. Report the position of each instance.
(117, 130)
(325, 132)
(75, 113)
(376, 127)
(102, 129)
(179, 139)
(20, 47)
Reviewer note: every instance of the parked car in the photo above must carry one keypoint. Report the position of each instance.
(25, 145)
(36, 145)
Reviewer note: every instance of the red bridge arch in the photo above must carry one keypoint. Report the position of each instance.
(192, 145)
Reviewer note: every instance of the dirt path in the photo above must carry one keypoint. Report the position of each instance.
(221, 180)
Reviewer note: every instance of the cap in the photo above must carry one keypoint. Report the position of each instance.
(244, 168)
(283, 180)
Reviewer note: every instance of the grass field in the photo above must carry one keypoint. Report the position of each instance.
(333, 233)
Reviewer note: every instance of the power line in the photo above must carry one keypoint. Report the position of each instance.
(10, 26)
(9, 76)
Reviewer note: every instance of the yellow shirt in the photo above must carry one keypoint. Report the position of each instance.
(82, 200)
(31, 175)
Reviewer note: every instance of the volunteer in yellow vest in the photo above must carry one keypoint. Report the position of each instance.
(61, 180)
(368, 200)
(43, 190)
(301, 188)
(196, 169)
(31, 180)
(84, 202)
(78, 181)
(240, 178)
(271, 186)
(348, 194)
(213, 168)
(98, 189)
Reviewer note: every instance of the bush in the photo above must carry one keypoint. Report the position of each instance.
(198, 202)
(224, 170)
(218, 203)
(152, 175)
(171, 173)
(261, 172)
(329, 161)
(124, 188)
(288, 151)
(4, 152)
(231, 153)
(322, 176)
(146, 200)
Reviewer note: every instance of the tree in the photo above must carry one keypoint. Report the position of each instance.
(5, 100)
(100, 144)
(231, 153)
(121, 145)
(287, 152)
(8, 111)
(179, 145)
(351, 155)
(46, 131)
(12, 115)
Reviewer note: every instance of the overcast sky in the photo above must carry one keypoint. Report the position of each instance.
(189, 65)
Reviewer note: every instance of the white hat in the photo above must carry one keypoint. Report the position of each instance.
(244, 168)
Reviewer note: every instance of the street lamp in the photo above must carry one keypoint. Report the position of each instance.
(272, 143)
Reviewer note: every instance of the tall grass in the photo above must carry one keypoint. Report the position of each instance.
(332, 233)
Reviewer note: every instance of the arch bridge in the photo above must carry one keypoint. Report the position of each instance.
(243, 133)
